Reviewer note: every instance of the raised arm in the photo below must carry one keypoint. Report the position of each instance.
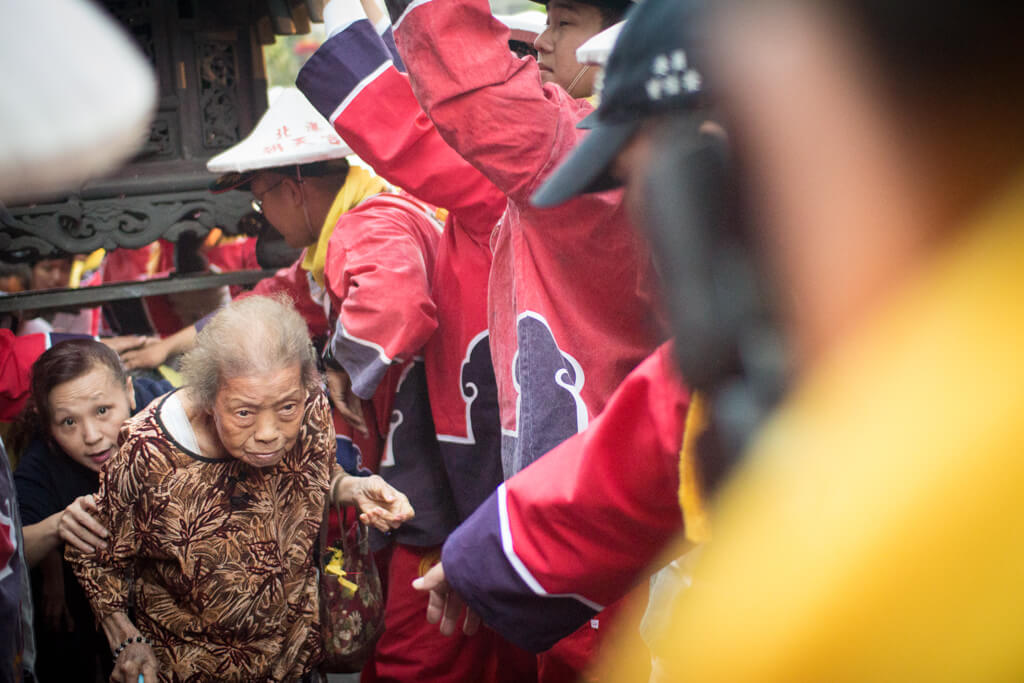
(488, 104)
(353, 82)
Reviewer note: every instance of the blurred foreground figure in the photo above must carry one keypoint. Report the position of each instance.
(874, 532)
(46, 148)
(51, 142)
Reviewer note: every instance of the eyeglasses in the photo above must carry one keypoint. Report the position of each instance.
(257, 202)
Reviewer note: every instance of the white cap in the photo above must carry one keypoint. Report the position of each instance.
(291, 132)
(72, 109)
(596, 50)
(525, 26)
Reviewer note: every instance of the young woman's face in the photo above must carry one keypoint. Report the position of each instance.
(258, 417)
(87, 413)
(570, 24)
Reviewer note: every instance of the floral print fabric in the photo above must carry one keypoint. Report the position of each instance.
(214, 556)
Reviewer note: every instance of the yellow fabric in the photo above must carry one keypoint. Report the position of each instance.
(359, 185)
(876, 533)
(336, 568)
(171, 375)
(213, 238)
(81, 266)
(691, 499)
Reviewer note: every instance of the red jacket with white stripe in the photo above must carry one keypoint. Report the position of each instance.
(352, 81)
(572, 532)
(572, 291)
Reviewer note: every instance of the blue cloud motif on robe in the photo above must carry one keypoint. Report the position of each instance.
(473, 462)
(350, 457)
(412, 462)
(549, 408)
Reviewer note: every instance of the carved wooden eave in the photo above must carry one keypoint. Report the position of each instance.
(212, 90)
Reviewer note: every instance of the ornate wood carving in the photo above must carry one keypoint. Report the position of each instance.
(79, 226)
(211, 95)
(218, 93)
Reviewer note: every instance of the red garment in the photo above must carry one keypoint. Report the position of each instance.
(411, 648)
(353, 83)
(572, 289)
(307, 296)
(233, 255)
(239, 254)
(17, 354)
(126, 265)
(572, 532)
(379, 262)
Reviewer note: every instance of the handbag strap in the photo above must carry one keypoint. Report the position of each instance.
(362, 532)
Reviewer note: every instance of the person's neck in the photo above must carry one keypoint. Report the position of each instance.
(203, 426)
(318, 204)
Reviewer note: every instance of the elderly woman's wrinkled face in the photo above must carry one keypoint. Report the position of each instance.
(258, 417)
(87, 413)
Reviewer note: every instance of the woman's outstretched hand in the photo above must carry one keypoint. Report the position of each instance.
(379, 503)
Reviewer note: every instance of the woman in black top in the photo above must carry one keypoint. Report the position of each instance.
(80, 397)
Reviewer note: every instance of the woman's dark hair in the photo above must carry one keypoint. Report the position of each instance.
(62, 363)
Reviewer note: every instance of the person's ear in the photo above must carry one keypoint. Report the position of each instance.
(293, 191)
(131, 393)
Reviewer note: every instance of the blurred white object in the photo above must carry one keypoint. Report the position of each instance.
(597, 49)
(291, 131)
(525, 26)
(76, 97)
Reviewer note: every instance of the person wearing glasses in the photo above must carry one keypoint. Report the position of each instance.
(364, 285)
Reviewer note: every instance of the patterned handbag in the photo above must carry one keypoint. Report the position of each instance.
(351, 599)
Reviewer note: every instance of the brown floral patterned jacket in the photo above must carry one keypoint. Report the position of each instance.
(214, 557)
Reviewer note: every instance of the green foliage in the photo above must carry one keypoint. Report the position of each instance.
(286, 56)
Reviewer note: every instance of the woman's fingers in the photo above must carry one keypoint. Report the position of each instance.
(136, 660)
(149, 671)
(79, 528)
(79, 537)
(122, 344)
(149, 356)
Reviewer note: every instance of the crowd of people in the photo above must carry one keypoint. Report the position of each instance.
(697, 360)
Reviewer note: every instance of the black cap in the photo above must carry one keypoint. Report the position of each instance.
(652, 70)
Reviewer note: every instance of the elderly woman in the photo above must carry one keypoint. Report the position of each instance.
(80, 398)
(214, 503)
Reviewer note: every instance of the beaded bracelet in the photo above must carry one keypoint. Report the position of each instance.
(131, 641)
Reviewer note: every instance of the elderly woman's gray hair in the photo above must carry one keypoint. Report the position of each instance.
(250, 337)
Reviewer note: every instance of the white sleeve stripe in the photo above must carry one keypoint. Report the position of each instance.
(517, 564)
(376, 348)
(412, 5)
(358, 89)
